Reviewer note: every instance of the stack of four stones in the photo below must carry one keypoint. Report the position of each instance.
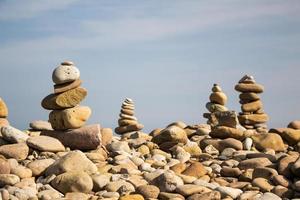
(128, 122)
(252, 116)
(64, 102)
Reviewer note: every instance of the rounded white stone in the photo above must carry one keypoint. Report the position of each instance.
(65, 74)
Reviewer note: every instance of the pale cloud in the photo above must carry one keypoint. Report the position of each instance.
(17, 10)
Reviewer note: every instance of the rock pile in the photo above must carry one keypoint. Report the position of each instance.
(218, 99)
(3, 114)
(252, 116)
(128, 122)
(67, 117)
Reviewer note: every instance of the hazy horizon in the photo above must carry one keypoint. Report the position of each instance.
(165, 55)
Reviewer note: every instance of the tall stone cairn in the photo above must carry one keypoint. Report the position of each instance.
(217, 101)
(127, 121)
(252, 116)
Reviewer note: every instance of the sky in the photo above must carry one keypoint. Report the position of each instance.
(165, 55)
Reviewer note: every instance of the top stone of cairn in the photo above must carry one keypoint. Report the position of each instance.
(65, 73)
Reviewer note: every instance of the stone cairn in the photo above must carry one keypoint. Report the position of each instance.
(252, 116)
(3, 114)
(127, 121)
(218, 99)
(67, 117)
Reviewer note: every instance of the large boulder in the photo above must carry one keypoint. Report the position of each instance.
(266, 141)
(84, 138)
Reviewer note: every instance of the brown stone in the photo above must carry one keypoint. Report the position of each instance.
(127, 111)
(84, 138)
(172, 134)
(195, 169)
(3, 109)
(4, 166)
(60, 88)
(218, 97)
(281, 180)
(224, 132)
(148, 191)
(254, 163)
(264, 172)
(266, 141)
(129, 128)
(252, 106)
(230, 172)
(70, 118)
(291, 136)
(178, 168)
(17, 151)
(263, 184)
(213, 195)
(64, 100)
(3, 122)
(169, 196)
(106, 136)
(253, 119)
(285, 164)
(126, 122)
(249, 96)
(294, 124)
(253, 87)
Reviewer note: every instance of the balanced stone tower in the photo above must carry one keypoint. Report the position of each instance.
(218, 99)
(67, 117)
(127, 121)
(252, 116)
(3, 114)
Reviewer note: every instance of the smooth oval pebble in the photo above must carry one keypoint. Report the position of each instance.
(65, 74)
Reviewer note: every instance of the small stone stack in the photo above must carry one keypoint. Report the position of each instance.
(127, 121)
(218, 99)
(3, 114)
(252, 116)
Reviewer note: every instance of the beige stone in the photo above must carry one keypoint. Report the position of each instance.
(218, 97)
(148, 191)
(195, 169)
(252, 106)
(75, 181)
(190, 189)
(294, 124)
(266, 141)
(64, 100)
(254, 163)
(38, 167)
(129, 128)
(3, 109)
(171, 134)
(249, 96)
(45, 143)
(18, 151)
(132, 197)
(253, 119)
(60, 88)
(70, 118)
(253, 87)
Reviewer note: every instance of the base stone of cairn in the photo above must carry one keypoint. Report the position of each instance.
(3, 114)
(128, 122)
(218, 99)
(67, 117)
(252, 116)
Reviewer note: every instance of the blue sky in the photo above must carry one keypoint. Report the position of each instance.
(165, 55)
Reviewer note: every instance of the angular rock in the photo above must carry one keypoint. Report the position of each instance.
(266, 141)
(45, 143)
(65, 73)
(17, 151)
(64, 100)
(70, 118)
(13, 135)
(85, 138)
(60, 88)
(40, 125)
(106, 136)
(228, 191)
(75, 181)
(69, 163)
